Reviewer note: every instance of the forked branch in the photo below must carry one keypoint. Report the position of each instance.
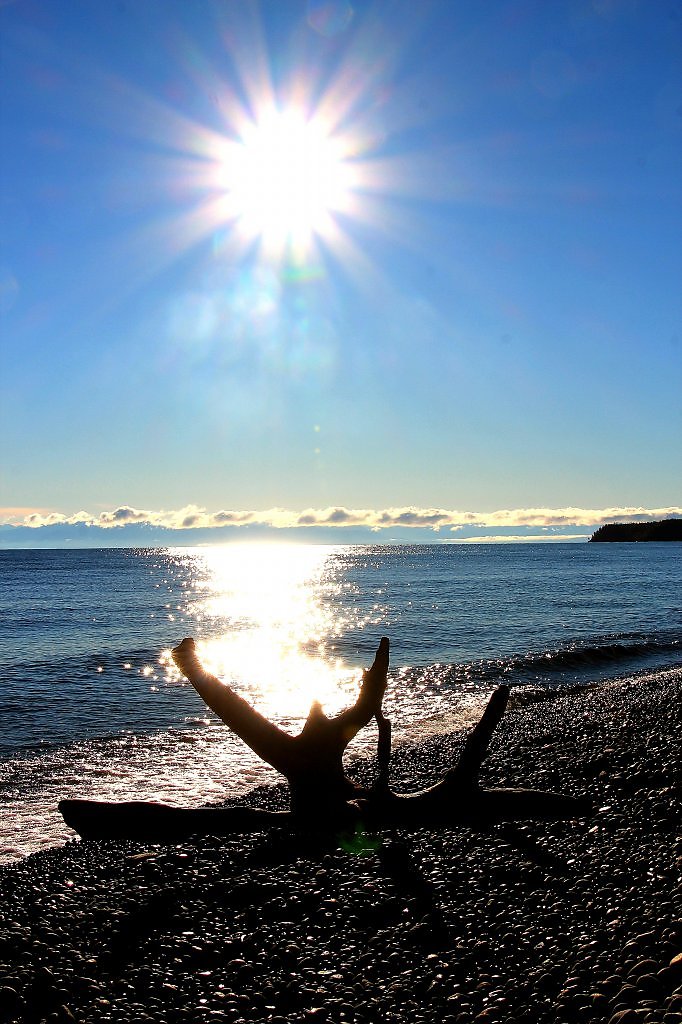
(321, 794)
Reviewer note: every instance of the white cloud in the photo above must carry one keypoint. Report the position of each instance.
(435, 519)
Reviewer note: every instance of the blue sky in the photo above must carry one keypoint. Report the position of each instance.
(484, 336)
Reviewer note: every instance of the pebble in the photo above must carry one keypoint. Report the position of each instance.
(541, 922)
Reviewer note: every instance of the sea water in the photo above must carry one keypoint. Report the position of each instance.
(92, 706)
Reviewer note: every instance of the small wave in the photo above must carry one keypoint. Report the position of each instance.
(593, 655)
(46, 660)
(576, 658)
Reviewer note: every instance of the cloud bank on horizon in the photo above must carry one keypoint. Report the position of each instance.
(182, 523)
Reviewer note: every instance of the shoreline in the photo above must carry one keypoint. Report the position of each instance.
(204, 767)
(540, 922)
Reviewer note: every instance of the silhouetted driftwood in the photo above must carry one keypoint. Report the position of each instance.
(322, 797)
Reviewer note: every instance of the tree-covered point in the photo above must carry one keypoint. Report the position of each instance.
(664, 529)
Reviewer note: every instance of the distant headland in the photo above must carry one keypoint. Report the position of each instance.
(664, 529)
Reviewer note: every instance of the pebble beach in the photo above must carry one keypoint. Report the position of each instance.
(537, 922)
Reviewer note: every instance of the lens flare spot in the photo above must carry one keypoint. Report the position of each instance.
(329, 17)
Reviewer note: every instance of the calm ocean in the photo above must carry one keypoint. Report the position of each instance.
(91, 706)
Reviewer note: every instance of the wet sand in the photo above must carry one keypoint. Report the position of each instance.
(558, 922)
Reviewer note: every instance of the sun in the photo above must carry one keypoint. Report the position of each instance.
(285, 179)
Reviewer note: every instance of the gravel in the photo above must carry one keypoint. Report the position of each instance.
(555, 922)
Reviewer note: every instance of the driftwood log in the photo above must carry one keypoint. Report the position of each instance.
(322, 797)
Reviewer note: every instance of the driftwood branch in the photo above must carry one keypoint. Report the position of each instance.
(322, 797)
(383, 752)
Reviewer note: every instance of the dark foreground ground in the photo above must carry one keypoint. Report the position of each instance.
(542, 922)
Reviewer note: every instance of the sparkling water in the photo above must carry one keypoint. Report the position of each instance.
(91, 705)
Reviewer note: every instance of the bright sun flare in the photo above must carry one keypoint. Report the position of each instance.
(285, 179)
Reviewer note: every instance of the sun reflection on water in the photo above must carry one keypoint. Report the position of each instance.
(266, 626)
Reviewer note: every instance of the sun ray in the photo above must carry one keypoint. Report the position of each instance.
(353, 263)
(241, 31)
